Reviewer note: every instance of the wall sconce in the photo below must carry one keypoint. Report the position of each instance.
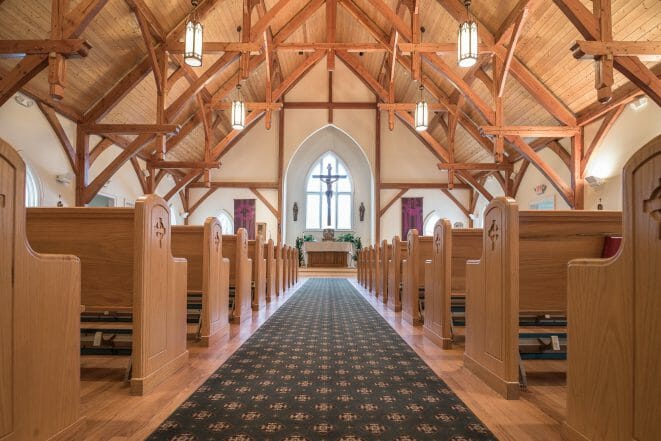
(295, 211)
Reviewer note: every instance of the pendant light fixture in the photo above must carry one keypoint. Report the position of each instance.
(421, 116)
(467, 40)
(194, 36)
(238, 111)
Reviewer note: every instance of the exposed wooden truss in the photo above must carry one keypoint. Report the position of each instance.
(401, 45)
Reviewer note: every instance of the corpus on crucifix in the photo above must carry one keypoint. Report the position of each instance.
(329, 179)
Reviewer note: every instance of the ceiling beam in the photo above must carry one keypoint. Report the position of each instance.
(132, 129)
(236, 184)
(531, 131)
(26, 69)
(631, 67)
(474, 166)
(516, 33)
(70, 48)
(650, 50)
(182, 183)
(61, 135)
(420, 185)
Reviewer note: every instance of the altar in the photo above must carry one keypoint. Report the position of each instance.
(328, 254)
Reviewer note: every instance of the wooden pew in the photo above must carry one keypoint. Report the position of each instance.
(386, 252)
(279, 273)
(294, 268)
(269, 255)
(413, 292)
(292, 265)
(127, 269)
(208, 278)
(613, 382)
(360, 263)
(376, 271)
(452, 248)
(258, 282)
(235, 248)
(523, 269)
(286, 262)
(39, 325)
(370, 268)
(397, 257)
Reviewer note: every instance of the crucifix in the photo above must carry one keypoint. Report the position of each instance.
(329, 179)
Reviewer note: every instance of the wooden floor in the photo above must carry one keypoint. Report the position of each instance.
(112, 414)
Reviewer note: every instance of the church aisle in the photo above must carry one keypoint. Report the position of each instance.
(325, 366)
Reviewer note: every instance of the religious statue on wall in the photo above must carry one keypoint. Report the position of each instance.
(361, 212)
(295, 211)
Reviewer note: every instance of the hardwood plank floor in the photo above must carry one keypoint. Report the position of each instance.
(112, 414)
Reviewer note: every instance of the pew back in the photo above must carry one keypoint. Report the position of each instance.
(269, 255)
(613, 385)
(519, 249)
(399, 254)
(208, 274)
(156, 294)
(235, 248)
(256, 253)
(39, 299)
(419, 250)
(386, 252)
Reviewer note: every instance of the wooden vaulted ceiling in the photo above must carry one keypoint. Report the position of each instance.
(114, 84)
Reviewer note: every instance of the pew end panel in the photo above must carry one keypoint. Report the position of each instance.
(235, 247)
(492, 309)
(438, 278)
(398, 255)
(386, 251)
(279, 270)
(159, 300)
(256, 253)
(216, 285)
(269, 254)
(39, 298)
(613, 384)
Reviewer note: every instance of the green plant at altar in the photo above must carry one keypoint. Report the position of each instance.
(354, 239)
(299, 246)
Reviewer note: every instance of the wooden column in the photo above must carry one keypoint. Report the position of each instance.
(82, 165)
(281, 166)
(56, 62)
(377, 178)
(603, 65)
(577, 179)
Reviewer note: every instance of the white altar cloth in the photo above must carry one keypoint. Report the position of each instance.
(328, 245)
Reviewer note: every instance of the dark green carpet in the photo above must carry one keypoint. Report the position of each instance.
(324, 366)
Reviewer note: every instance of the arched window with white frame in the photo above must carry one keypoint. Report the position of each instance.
(430, 221)
(316, 201)
(32, 188)
(226, 222)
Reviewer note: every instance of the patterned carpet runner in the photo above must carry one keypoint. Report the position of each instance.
(324, 366)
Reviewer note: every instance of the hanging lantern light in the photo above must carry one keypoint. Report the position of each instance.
(238, 111)
(194, 37)
(467, 40)
(421, 116)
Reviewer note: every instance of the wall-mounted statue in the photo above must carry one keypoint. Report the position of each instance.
(361, 212)
(295, 211)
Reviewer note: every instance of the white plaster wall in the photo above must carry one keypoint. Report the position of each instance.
(534, 177)
(330, 138)
(28, 131)
(631, 131)
(493, 187)
(433, 200)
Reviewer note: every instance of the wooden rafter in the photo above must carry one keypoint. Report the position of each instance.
(163, 165)
(237, 184)
(71, 48)
(26, 69)
(265, 201)
(101, 147)
(61, 135)
(519, 178)
(151, 51)
(132, 129)
(331, 22)
(516, 33)
(139, 175)
(474, 166)
(420, 185)
(531, 131)
(181, 183)
(200, 201)
(631, 67)
(459, 205)
(650, 50)
(599, 137)
(394, 199)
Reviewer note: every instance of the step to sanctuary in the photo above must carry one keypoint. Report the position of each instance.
(327, 272)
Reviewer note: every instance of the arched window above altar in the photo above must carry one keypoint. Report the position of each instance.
(329, 187)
